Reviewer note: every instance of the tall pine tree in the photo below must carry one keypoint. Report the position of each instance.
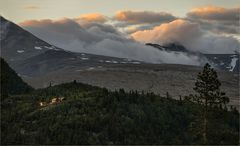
(208, 88)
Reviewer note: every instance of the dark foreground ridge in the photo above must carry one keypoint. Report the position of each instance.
(11, 83)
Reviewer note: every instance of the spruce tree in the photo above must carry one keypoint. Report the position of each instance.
(208, 88)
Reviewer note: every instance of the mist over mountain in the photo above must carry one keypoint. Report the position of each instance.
(18, 44)
(228, 62)
(189, 34)
(102, 39)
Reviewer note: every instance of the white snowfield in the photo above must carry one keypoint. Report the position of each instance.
(121, 62)
(38, 48)
(48, 47)
(91, 68)
(20, 51)
(84, 58)
(233, 64)
(51, 47)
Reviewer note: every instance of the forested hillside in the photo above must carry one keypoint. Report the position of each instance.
(76, 113)
(11, 83)
(92, 115)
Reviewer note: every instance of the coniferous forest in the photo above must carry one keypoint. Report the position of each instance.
(76, 113)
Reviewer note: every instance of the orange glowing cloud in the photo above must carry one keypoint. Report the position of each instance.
(136, 17)
(169, 32)
(34, 22)
(189, 34)
(82, 20)
(212, 13)
(46, 22)
(208, 9)
(92, 17)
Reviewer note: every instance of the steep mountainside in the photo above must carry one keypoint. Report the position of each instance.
(62, 61)
(17, 44)
(30, 56)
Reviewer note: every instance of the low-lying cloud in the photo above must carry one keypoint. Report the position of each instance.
(190, 35)
(123, 35)
(102, 39)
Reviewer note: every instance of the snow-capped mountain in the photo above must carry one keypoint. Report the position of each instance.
(227, 62)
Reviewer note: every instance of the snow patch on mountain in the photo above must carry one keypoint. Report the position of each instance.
(20, 51)
(84, 58)
(38, 48)
(233, 64)
(49, 47)
(91, 68)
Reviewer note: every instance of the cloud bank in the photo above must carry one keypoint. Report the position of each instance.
(211, 13)
(216, 19)
(204, 29)
(102, 39)
(190, 35)
(132, 21)
(90, 18)
(137, 17)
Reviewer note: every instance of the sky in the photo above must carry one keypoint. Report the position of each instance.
(20, 10)
(120, 28)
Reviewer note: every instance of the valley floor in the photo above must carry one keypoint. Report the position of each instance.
(177, 80)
